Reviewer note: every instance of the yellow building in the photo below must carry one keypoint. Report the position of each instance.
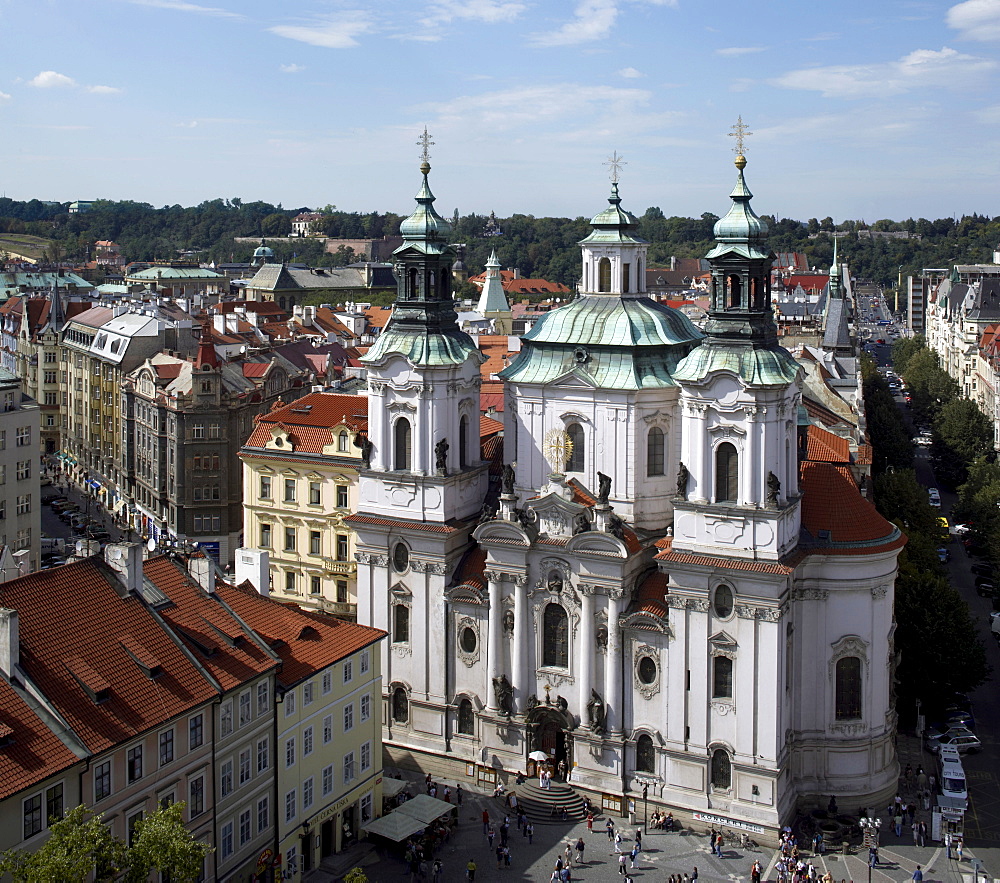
(300, 480)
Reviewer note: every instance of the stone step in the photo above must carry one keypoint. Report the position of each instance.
(539, 803)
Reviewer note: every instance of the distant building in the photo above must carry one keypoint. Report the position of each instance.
(79, 206)
(20, 497)
(304, 224)
(289, 286)
(108, 254)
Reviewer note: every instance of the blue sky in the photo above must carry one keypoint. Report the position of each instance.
(858, 109)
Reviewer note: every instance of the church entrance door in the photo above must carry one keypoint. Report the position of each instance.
(557, 744)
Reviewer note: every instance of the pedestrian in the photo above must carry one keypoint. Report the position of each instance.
(609, 826)
(634, 855)
(447, 794)
(755, 872)
(618, 842)
(529, 829)
(486, 822)
(621, 864)
(694, 876)
(506, 857)
(917, 876)
(470, 869)
(504, 833)
(580, 846)
(590, 822)
(958, 848)
(422, 870)
(947, 843)
(458, 794)
(638, 838)
(499, 852)
(568, 856)
(562, 770)
(897, 821)
(438, 868)
(490, 834)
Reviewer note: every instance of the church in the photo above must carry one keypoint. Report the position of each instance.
(668, 591)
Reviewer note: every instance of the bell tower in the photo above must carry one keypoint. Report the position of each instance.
(737, 485)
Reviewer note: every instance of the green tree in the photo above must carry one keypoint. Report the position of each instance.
(276, 224)
(81, 847)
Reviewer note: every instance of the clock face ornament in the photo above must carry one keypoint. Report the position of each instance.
(558, 449)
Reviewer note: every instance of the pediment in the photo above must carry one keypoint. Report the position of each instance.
(577, 378)
(723, 641)
(554, 515)
(499, 530)
(595, 541)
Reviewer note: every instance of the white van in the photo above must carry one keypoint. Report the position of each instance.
(954, 792)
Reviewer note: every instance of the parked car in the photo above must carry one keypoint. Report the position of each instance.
(985, 587)
(982, 569)
(944, 556)
(963, 739)
(934, 497)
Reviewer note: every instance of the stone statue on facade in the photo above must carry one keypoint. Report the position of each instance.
(489, 510)
(682, 481)
(581, 524)
(595, 713)
(773, 489)
(441, 456)
(365, 446)
(508, 622)
(531, 702)
(507, 478)
(616, 527)
(561, 703)
(504, 692)
(603, 488)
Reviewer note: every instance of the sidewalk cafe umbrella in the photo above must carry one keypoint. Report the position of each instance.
(540, 756)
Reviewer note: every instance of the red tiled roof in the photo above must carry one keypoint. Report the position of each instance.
(205, 625)
(447, 527)
(309, 420)
(825, 446)
(305, 642)
(831, 502)
(378, 317)
(746, 564)
(34, 752)
(255, 369)
(488, 426)
(168, 371)
(73, 618)
(472, 568)
(651, 594)
(491, 396)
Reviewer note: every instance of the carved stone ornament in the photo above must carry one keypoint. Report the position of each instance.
(810, 594)
(679, 602)
(723, 706)
(468, 657)
(418, 566)
(764, 614)
(879, 592)
(401, 649)
(855, 728)
(644, 651)
(849, 645)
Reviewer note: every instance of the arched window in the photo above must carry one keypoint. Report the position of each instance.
(466, 718)
(722, 770)
(654, 451)
(604, 275)
(848, 688)
(626, 281)
(722, 677)
(727, 473)
(401, 624)
(463, 442)
(343, 442)
(577, 455)
(645, 754)
(735, 288)
(403, 443)
(400, 706)
(555, 632)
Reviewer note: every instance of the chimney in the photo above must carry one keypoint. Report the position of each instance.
(125, 559)
(254, 565)
(202, 571)
(219, 322)
(10, 642)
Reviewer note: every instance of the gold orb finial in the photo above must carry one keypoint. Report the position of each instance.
(741, 161)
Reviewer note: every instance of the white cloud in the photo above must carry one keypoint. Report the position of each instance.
(921, 69)
(337, 31)
(291, 68)
(630, 73)
(182, 6)
(988, 115)
(104, 90)
(191, 125)
(976, 19)
(592, 20)
(51, 80)
(4, 96)
(740, 50)
(489, 11)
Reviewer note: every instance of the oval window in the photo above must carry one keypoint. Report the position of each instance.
(400, 557)
(468, 639)
(723, 602)
(647, 670)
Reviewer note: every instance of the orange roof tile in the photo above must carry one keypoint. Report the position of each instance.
(305, 642)
(472, 569)
(72, 621)
(825, 446)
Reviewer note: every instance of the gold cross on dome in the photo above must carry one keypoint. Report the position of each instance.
(615, 163)
(740, 131)
(425, 143)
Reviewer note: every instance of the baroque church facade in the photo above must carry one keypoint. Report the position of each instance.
(665, 591)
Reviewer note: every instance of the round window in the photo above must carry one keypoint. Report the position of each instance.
(723, 602)
(468, 639)
(647, 670)
(400, 557)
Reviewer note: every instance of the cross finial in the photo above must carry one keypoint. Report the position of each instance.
(615, 163)
(425, 143)
(740, 131)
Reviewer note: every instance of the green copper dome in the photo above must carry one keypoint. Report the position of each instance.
(614, 225)
(425, 224)
(741, 224)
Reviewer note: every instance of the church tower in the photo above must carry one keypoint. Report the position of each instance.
(493, 303)
(423, 479)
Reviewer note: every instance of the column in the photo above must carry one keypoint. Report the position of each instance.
(612, 665)
(586, 651)
(494, 651)
(519, 650)
(752, 480)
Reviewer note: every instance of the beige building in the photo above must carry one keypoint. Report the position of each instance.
(300, 477)
(20, 503)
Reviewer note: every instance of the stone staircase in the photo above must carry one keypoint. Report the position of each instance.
(538, 803)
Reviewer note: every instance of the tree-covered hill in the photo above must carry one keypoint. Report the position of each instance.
(537, 246)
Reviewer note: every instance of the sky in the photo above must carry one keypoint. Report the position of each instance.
(858, 110)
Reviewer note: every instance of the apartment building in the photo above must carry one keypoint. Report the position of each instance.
(300, 475)
(20, 503)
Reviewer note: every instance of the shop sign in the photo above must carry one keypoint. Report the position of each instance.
(264, 861)
(733, 823)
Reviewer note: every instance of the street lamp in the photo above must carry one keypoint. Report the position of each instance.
(870, 828)
(645, 818)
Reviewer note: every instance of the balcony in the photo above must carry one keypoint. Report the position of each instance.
(347, 568)
(341, 608)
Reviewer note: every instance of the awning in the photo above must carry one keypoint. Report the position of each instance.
(391, 787)
(94, 484)
(118, 506)
(396, 826)
(425, 808)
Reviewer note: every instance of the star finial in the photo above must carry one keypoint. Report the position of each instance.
(740, 131)
(425, 144)
(615, 163)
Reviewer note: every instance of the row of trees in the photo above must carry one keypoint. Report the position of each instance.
(938, 647)
(543, 247)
